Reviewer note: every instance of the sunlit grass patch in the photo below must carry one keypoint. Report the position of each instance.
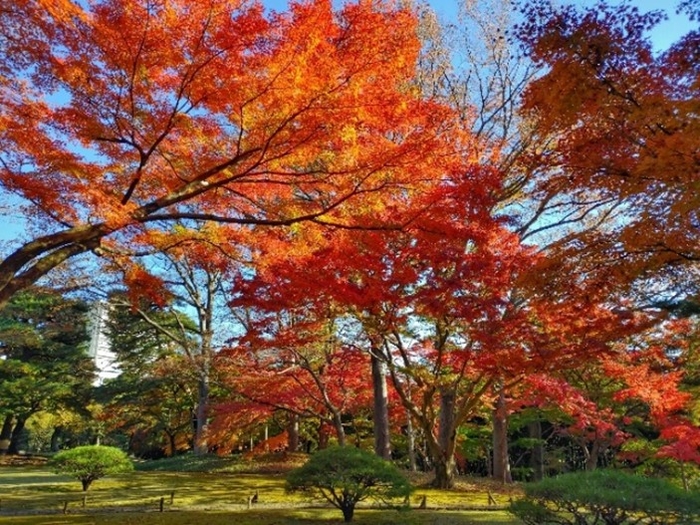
(33, 495)
(34, 489)
(467, 493)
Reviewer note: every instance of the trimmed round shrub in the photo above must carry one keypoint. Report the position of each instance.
(344, 476)
(90, 463)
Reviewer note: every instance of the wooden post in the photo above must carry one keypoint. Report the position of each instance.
(423, 503)
(65, 507)
(492, 501)
(172, 496)
(162, 501)
(84, 502)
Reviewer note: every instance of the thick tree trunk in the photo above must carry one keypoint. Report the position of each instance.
(501, 461)
(447, 430)
(55, 437)
(16, 435)
(592, 456)
(348, 512)
(293, 433)
(444, 456)
(444, 472)
(537, 458)
(322, 435)
(205, 319)
(382, 438)
(6, 434)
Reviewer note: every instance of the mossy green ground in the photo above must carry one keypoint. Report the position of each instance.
(34, 495)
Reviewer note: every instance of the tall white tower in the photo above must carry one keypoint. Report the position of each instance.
(99, 350)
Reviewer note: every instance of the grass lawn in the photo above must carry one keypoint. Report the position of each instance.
(271, 517)
(34, 495)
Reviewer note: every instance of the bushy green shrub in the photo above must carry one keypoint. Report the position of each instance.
(605, 496)
(344, 476)
(90, 463)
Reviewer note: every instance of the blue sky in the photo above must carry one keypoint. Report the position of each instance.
(665, 34)
(11, 226)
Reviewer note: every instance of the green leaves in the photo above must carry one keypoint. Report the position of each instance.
(346, 475)
(93, 462)
(43, 339)
(607, 496)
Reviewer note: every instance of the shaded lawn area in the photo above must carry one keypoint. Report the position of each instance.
(34, 495)
(272, 517)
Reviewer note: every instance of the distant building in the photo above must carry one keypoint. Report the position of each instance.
(99, 350)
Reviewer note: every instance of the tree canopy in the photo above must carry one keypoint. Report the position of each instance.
(119, 116)
(44, 365)
(339, 217)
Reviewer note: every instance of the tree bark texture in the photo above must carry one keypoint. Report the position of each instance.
(382, 437)
(534, 429)
(501, 461)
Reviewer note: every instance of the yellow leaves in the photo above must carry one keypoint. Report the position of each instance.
(349, 138)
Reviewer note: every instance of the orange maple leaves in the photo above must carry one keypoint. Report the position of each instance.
(127, 114)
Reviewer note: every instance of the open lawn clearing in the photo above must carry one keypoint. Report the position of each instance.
(37, 489)
(32, 489)
(34, 495)
(272, 517)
